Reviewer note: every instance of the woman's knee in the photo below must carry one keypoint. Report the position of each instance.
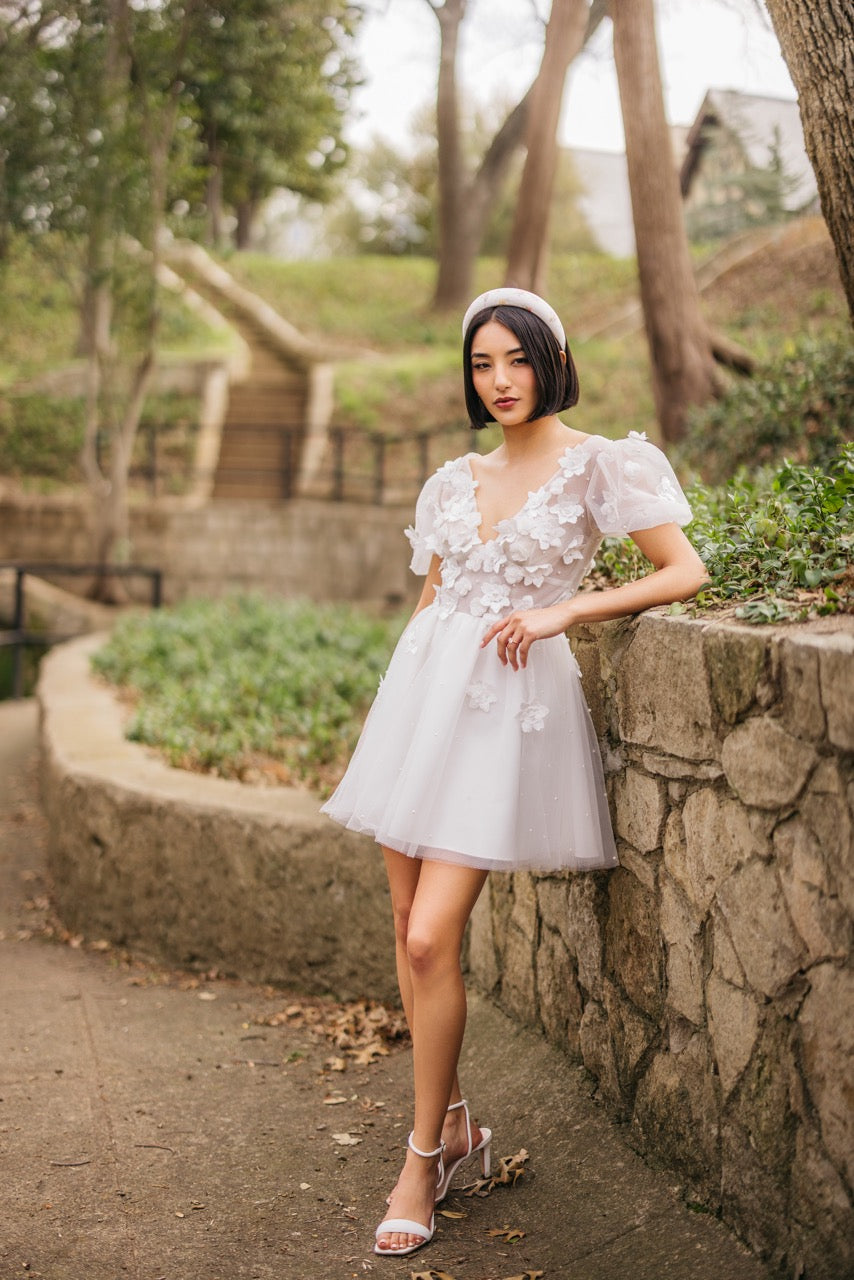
(430, 950)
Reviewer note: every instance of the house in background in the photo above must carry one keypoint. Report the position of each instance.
(741, 163)
(745, 164)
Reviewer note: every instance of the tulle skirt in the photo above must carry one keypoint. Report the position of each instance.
(464, 760)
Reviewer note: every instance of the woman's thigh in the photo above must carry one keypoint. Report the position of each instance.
(445, 896)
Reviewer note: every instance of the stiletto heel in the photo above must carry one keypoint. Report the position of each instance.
(484, 1148)
(405, 1226)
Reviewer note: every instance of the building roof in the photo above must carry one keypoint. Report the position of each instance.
(761, 124)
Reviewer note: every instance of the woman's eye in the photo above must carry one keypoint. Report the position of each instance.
(480, 368)
(521, 360)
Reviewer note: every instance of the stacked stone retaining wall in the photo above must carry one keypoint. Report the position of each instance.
(319, 550)
(707, 983)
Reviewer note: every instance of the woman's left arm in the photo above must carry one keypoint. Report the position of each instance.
(678, 574)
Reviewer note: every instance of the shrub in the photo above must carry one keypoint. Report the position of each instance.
(779, 542)
(249, 687)
(801, 407)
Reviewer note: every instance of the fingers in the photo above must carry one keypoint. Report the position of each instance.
(513, 640)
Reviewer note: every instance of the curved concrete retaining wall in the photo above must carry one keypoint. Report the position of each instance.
(707, 983)
(200, 870)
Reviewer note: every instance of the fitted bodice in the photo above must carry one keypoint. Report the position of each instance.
(541, 554)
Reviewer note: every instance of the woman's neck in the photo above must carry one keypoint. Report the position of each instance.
(533, 439)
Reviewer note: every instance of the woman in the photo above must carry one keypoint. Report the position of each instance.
(479, 752)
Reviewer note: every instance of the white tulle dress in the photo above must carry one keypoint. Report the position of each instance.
(465, 760)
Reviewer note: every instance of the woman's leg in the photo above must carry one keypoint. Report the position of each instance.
(431, 908)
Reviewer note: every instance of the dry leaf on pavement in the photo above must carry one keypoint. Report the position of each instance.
(510, 1169)
(509, 1234)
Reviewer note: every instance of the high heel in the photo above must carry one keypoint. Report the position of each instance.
(405, 1226)
(484, 1147)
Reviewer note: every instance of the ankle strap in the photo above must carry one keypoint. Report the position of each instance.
(455, 1106)
(428, 1155)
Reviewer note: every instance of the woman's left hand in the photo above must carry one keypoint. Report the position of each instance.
(517, 631)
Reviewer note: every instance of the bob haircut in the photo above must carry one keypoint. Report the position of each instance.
(557, 382)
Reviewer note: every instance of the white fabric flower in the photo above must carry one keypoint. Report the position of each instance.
(525, 602)
(494, 596)
(532, 716)
(573, 550)
(480, 696)
(486, 558)
(534, 575)
(463, 585)
(567, 509)
(446, 603)
(637, 435)
(411, 644)
(573, 461)
(665, 489)
(514, 573)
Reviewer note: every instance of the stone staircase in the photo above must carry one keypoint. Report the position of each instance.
(264, 427)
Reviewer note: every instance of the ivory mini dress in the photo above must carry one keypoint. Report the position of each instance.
(462, 759)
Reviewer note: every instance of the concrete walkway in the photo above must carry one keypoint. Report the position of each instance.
(152, 1128)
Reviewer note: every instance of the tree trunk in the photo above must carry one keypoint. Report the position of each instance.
(817, 40)
(452, 234)
(683, 369)
(526, 255)
(246, 212)
(213, 201)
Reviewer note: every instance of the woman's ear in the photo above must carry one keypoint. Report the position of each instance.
(563, 358)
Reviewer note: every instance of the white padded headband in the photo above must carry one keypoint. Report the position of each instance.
(517, 298)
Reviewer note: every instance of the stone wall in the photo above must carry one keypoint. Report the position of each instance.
(319, 550)
(707, 983)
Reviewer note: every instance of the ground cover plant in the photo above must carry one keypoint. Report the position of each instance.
(250, 688)
(778, 544)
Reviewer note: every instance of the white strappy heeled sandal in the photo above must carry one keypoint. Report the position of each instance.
(484, 1147)
(405, 1226)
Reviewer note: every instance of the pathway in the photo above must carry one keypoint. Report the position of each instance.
(154, 1129)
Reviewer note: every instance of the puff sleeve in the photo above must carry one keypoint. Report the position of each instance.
(633, 486)
(423, 536)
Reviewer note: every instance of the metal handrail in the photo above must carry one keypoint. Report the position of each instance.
(19, 638)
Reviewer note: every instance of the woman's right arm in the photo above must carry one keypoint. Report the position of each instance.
(431, 582)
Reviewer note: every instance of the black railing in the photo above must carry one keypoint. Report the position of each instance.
(20, 638)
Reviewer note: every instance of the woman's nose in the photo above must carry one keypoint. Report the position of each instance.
(502, 376)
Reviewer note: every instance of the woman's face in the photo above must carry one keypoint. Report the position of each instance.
(502, 376)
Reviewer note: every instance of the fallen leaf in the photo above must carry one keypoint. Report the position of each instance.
(527, 1275)
(334, 1100)
(346, 1139)
(335, 1064)
(450, 1213)
(207, 995)
(510, 1234)
(430, 1275)
(510, 1169)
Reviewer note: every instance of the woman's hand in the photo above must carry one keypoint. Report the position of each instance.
(517, 631)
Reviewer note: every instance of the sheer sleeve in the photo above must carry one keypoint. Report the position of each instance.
(423, 536)
(632, 487)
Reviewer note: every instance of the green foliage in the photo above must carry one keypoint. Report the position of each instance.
(41, 436)
(779, 543)
(801, 406)
(233, 685)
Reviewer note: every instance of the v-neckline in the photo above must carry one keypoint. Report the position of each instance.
(532, 493)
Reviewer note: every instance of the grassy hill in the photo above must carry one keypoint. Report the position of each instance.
(403, 372)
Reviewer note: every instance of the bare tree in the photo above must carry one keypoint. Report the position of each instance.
(526, 254)
(683, 368)
(465, 198)
(817, 41)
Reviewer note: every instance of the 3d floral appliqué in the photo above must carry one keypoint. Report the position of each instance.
(532, 716)
(480, 696)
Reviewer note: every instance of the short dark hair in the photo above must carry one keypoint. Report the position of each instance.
(557, 382)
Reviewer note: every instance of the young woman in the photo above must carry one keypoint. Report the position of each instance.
(479, 752)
